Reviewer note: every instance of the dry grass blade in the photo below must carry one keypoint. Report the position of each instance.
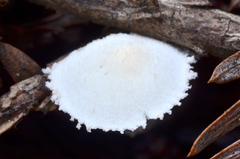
(222, 125)
(227, 71)
(231, 152)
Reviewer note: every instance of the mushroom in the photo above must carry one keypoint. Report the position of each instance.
(118, 82)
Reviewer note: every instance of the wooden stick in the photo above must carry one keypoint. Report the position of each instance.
(206, 31)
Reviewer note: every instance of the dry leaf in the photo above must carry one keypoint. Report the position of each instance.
(222, 125)
(227, 71)
(232, 151)
(18, 64)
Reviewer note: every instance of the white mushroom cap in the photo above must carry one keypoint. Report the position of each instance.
(118, 82)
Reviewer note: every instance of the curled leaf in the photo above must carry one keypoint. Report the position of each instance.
(227, 71)
(222, 125)
(232, 151)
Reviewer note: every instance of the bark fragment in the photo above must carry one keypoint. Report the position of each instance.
(22, 98)
(46, 105)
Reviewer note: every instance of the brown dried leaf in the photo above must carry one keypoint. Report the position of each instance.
(222, 125)
(18, 64)
(231, 152)
(227, 71)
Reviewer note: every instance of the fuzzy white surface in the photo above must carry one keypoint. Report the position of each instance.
(120, 81)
